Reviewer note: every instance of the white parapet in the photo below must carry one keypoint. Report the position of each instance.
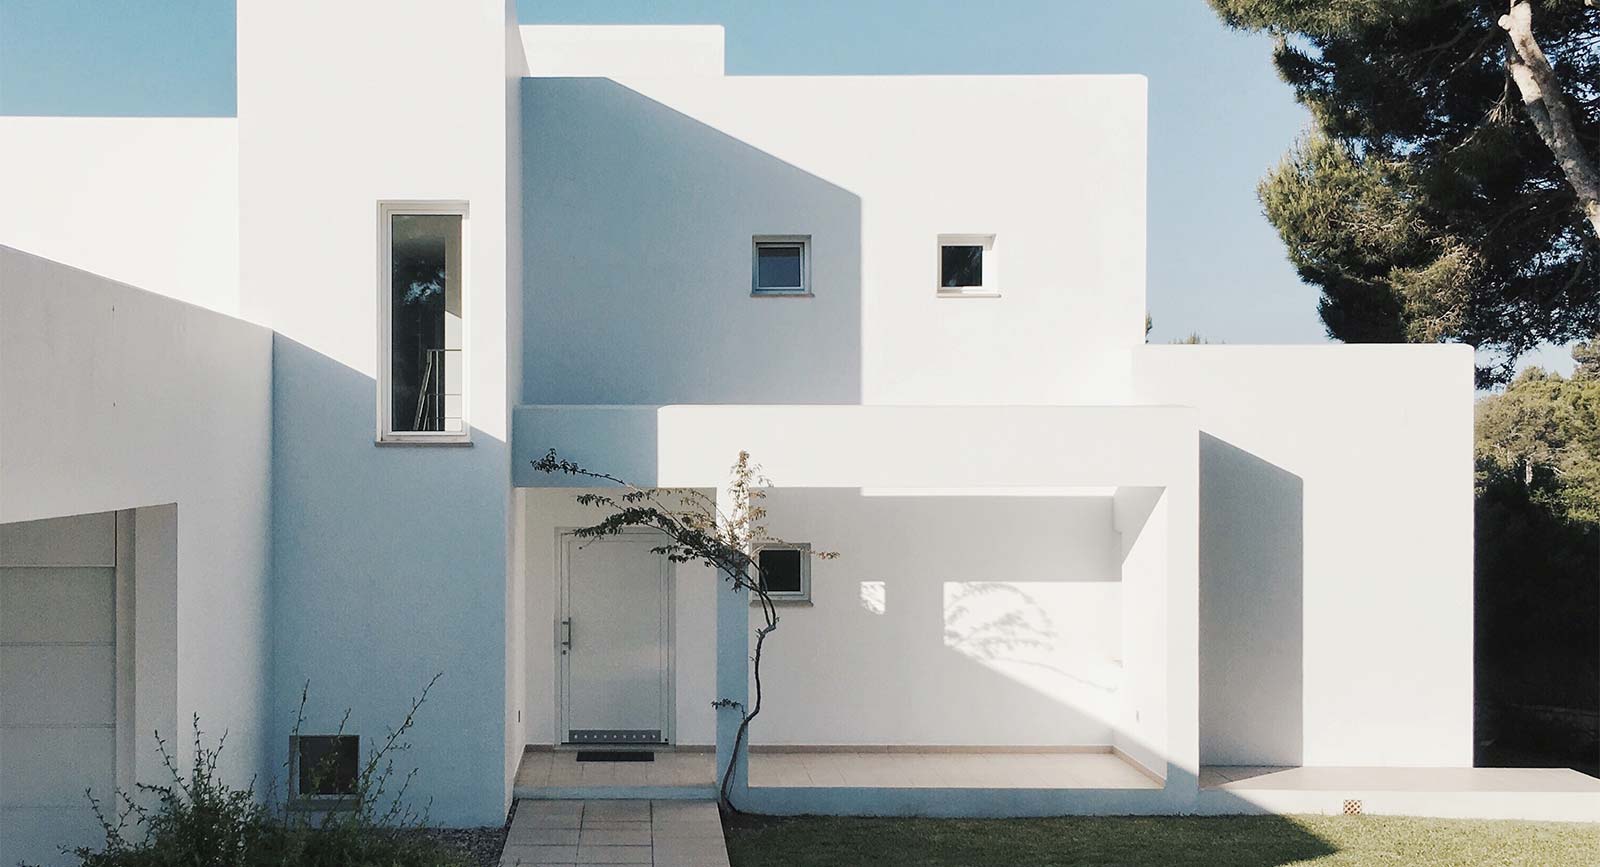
(623, 51)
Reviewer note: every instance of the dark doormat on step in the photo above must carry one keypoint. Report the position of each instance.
(615, 756)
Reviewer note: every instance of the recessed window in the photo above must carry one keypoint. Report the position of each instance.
(786, 570)
(781, 265)
(422, 389)
(966, 265)
(326, 765)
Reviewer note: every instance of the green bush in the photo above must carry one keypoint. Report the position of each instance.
(197, 820)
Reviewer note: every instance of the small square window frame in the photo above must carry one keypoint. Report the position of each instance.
(991, 272)
(387, 210)
(297, 801)
(759, 241)
(804, 596)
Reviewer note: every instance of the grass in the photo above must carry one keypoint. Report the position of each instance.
(1182, 841)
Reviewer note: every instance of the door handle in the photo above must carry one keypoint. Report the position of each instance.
(566, 643)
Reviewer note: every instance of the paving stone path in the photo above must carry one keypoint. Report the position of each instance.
(658, 833)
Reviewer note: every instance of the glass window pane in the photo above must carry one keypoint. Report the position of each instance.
(328, 764)
(780, 569)
(425, 372)
(961, 266)
(779, 266)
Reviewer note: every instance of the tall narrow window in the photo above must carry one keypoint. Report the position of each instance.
(423, 393)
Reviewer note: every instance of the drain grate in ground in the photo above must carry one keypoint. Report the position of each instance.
(615, 756)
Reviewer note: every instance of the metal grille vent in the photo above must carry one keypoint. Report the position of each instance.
(1352, 807)
(615, 736)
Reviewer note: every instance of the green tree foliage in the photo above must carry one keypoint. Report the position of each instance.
(1542, 435)
(1536, 557)
(1427, 202)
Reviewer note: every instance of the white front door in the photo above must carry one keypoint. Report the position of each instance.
(615, 640)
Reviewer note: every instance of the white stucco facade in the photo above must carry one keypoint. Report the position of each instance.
(1051, 535)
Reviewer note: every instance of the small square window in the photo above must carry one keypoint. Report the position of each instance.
(782, 265)
(966, 265)
(960, 266)
(326, 766)
(786, 571)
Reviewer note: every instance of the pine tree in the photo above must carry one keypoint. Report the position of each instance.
(1448, 188)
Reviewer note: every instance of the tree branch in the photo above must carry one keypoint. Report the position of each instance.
(1541, 95)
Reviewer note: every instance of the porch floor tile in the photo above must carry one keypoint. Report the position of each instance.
(935, 769)
(616, 832)
(560, 769)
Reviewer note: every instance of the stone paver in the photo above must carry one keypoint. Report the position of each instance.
(657, 833)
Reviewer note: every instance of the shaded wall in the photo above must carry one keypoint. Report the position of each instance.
(115, 398)
(642, 201)
(638, 230)
(1252, 549)
(1347, 469)
(374, 545)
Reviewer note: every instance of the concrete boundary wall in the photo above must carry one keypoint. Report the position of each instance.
(1335, 550)
(114, 398)
(149, 201)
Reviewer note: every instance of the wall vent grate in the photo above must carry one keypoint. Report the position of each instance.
(1352, 807)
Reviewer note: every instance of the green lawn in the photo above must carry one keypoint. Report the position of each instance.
(1231, 841)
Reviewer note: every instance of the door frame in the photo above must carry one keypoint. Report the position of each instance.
(667, 641)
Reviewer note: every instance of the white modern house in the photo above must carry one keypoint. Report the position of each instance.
(271, 388)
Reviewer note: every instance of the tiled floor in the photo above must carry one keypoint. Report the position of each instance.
(866, 768)
(1398, 779)
(561, 769)
(951, 770)
(659, 833)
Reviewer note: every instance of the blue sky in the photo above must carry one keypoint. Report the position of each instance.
(1219, 116)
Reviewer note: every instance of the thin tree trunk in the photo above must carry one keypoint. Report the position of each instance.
(1541, 95)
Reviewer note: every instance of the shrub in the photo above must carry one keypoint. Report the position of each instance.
(198, 819)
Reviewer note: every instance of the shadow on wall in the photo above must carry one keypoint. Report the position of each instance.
(373, 547)
(625, 445)
(1252, 552)
(947, 620)
(624, 193)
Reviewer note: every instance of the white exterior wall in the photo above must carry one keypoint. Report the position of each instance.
(342, 106)
(622, 51)
(867, 448)
(115, 398)
(641, 202)
(152, 202)
(1140, 516)
(953, 619)
(1335, 550)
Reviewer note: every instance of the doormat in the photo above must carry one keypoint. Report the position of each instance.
(615, 756)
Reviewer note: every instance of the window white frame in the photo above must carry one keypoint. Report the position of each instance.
(387, 210)
(804, 595)
(991, 273)
(759, 241)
